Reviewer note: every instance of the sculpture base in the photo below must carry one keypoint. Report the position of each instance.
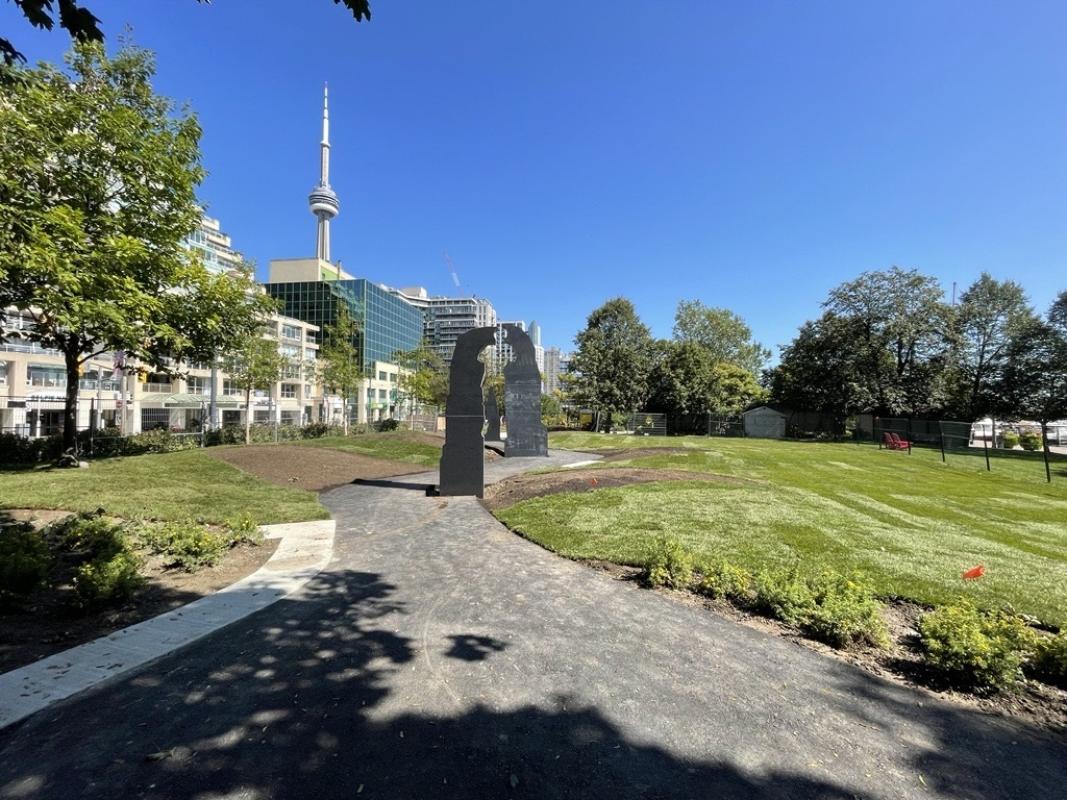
(463, 457)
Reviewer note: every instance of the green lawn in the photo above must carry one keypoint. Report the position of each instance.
(166, 486)
(910, 523)
(394, 445)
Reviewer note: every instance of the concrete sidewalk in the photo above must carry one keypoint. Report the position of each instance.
(440, 655)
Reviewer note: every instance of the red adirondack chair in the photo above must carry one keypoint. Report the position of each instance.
(899, 444)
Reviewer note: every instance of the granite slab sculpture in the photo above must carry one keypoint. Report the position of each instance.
(492, 417)
(463, 456)
(527, 435)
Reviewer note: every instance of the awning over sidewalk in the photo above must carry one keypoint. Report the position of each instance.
(186, 400)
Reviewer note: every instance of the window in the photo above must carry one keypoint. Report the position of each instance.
(309, 390)
(229, 388)
(42, 375)
(289, 351)
(291, 372)
(290, 332)
(290, 417)
(289, 390)
(382, 394)
(154, 418)
(381, 375)
(310, 354)
(3, 373)
(196, 384)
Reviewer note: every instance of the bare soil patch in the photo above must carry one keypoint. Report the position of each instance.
(522, 487)
(1033, 702)
(312, 468)
(625, 454)
(46, 624)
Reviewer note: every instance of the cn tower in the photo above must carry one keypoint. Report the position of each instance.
(323, 200)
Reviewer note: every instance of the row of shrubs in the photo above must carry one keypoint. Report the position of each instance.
(101, 559)
(1028, 440)
(19, 451)
(968, 647)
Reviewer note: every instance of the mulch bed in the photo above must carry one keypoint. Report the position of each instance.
(523, 487)
(45, 624)
(315, 469)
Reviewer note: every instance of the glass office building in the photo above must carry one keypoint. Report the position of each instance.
(387, 323)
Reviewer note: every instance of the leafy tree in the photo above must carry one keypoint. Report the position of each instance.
(1034, 382)
(551, 410)
(340, 366)
(901, 326)
(991, 314)
(722, 332)
(612, 361)
(84, 26)
(253, 363)
(681, 378)
(97, 180)
(732, 389)
(424, 376)
(818, 370)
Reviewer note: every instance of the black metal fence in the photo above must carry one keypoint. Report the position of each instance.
(995, 443)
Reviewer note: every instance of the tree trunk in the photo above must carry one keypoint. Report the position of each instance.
(344, 414)
(248, 415)
(70, 404)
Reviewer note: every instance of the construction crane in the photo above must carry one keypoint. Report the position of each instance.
(451, 268)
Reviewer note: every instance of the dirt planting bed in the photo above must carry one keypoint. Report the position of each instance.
(523, 487)
(312, 468)
(46, 623)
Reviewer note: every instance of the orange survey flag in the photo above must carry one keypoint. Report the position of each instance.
(974, 574)
(593, 481)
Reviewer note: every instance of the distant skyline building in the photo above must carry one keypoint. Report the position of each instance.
(213, 246)
(445, 319)
(553, 367)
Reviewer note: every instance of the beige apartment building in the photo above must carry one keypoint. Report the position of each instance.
(33, 383)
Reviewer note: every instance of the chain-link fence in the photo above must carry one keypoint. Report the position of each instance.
(719, 425)
(1019, 447)
(647, 423)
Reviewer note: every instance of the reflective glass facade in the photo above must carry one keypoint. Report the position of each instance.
(386, 322)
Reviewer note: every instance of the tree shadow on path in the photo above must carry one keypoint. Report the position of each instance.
(294, 703)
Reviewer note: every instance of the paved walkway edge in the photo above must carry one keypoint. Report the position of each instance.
(303, 552)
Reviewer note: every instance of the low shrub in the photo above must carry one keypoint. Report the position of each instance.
(107, 580)
(87, 536)
(25, 561)
(243, 530)
(1030, 441)
(846, 613)
(668, 564)
(721, 579)
(784, 595)
(835, 609)
(1009, 440)
(975, 649)
(185, 544)
(1049, 663)
(387, 425)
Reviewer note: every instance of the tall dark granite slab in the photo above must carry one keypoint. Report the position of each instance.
(527, 435)
(463, 457)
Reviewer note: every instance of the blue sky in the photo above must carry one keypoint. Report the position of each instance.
(750, 155)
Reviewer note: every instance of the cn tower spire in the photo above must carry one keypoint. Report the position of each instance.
(323, 200)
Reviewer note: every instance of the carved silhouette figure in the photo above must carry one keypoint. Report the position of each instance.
(462, 459)
(527, 435)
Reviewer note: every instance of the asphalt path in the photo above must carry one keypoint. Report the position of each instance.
(441, 656)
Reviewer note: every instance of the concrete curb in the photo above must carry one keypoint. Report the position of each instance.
(303, 552)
